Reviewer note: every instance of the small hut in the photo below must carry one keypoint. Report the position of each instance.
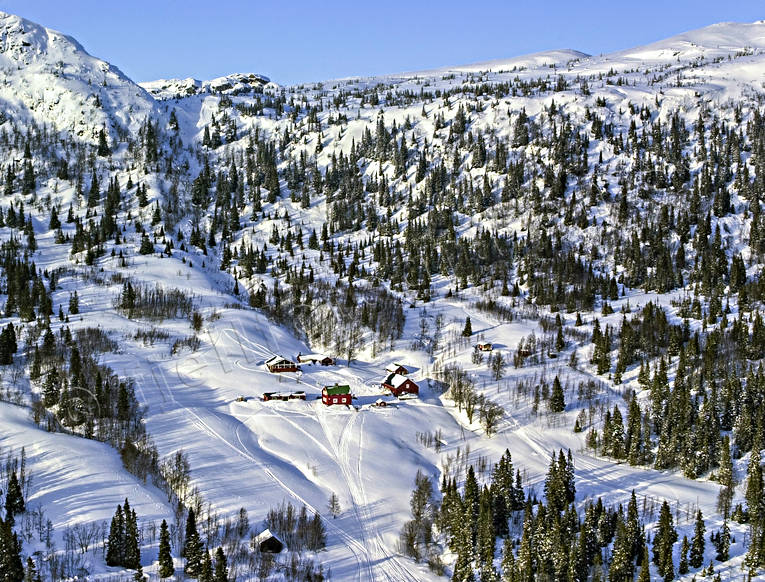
(268, 543)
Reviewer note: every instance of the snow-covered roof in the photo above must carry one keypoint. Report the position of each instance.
(395, 380)
(304, 357)
(394, 366)
(276, 360)
(265, 535)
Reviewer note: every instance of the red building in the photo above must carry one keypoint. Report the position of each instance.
(277, 364)
(316, 359)
(336, 395)
(398, 384)
(397, 369)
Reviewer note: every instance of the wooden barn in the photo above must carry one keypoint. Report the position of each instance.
(316, 359)
(484, 347)
(268, 543)
(336, 394)
(278, 364)
(398, 384)
(396, 368)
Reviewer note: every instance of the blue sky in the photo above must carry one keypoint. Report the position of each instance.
(301, 41)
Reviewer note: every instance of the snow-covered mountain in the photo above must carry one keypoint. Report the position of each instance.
(546, 206)
(234, 84)
(48, 77)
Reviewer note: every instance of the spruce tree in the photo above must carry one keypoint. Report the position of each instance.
(508, 562)
(115, 551)
(621, 567)
(221, 566)
(14, 498)
(463, 568)
(726, 479)
(557, 399)
(755, 500)
(634, 529)
(645, 567)
(11, 566)
(147, 247)
(32, 574)
(206, 572)
(103, 146)
(166, 568)
(722, 543)
(467, 331)
(682, 567)
(665, 538)
(74, 303)
(697, 545)
(132, 558)
(192, 549)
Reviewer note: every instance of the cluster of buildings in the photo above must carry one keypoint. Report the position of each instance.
(397, 380)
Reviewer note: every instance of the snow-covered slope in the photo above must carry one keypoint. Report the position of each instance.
(49, 77)
(716, 40)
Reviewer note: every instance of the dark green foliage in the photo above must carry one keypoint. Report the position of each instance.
(147, 247)
(206, 572)
(557, 399)
(721, 541)
(103, 146)
(697, 547)
(166, 568)
(132, 551)
(221, 566)
(32, 574)
(11, 565)
(663, 542)
(8, 345)
(467, 331)
(14, 498)
(192, 548)
(115, 553)
(560, 488)
(123, 545)
(74, 303)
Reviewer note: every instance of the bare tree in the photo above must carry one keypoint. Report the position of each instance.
(334, 504)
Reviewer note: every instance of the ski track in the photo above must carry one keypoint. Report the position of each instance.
(358, 549)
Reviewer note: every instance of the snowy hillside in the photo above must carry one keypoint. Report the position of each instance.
(48, 77)
(563, 252)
